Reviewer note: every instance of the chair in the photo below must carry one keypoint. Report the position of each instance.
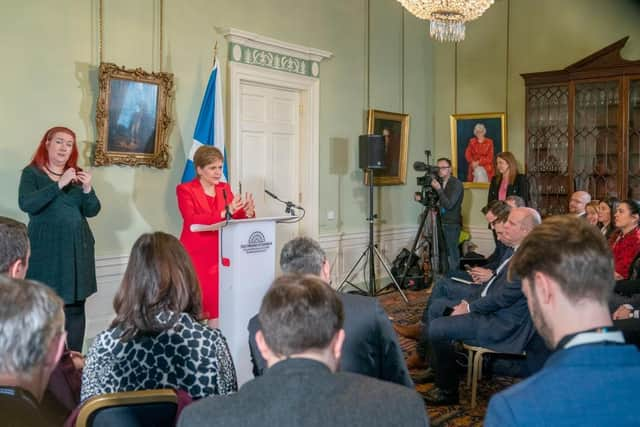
(474, 366)
(142, 408)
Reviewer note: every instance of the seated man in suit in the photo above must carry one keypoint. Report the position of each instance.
(301, 339)
(371, 347)
(496, 318)
(32, 339)
(496, 213)
(590, 380)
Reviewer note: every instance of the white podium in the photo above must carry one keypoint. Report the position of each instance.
(247, 268)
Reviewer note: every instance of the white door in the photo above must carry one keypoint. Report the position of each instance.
(269, 151)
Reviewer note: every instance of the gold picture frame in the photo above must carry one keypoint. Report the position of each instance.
(132, 117)
(395, 129)
(465, 145)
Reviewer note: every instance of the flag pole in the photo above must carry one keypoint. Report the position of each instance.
(215, 54)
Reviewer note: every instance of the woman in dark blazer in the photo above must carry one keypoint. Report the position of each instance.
(507, 181)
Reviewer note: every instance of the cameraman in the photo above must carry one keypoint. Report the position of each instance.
(450, 193)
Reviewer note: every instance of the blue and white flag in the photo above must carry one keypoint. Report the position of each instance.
(210, 124)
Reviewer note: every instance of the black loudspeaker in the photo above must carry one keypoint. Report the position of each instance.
(371, 152)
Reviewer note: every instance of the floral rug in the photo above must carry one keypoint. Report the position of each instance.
(454, 415)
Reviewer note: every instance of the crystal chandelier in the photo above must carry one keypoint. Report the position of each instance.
(447, 17)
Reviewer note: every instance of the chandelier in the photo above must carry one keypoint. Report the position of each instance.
(447, 17)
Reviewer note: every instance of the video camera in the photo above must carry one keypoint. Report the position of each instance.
(427, 196)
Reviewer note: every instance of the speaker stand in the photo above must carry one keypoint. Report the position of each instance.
(369, 255)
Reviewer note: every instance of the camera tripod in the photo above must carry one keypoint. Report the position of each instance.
(369, 255)
(430, 219)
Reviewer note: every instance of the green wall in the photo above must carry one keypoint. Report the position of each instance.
(50, 59)
(482, 73)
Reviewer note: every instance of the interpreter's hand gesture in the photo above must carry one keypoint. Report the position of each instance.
(85, 179)
(67, 177)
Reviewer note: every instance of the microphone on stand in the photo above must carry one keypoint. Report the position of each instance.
(272, 195)
(227, 212)
(289, 205)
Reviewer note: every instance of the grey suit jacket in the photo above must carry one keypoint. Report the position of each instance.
(303, 392)
(370, 348)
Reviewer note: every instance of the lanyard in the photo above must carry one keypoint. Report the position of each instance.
(593, 336)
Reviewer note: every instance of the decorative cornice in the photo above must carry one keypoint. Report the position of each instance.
(253, 49)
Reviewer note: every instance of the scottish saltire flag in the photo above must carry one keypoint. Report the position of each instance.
(210, 124)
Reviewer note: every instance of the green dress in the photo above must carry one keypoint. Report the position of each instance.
(62, 245)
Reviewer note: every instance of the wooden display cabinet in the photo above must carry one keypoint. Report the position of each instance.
(583, 130)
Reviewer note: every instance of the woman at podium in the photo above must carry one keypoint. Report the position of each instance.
(208, 200)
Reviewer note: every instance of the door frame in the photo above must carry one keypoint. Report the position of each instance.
(309, 149)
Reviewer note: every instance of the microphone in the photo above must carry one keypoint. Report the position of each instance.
(227, 214)
(273, 196)
(289, 205)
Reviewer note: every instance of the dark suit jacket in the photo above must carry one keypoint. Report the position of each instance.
(586, 385)
(370, 348)
(303, 392)
(501, 318)
(520, 187)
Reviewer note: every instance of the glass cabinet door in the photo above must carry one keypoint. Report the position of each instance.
(547, 143)
(634, 140)
(596, 138)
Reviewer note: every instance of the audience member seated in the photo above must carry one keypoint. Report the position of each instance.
(370, 348)
(497, 317)
(578, 203)
(590, 378)
(32, 338)
(606, 209)
(515, 201)
(496, 213)
(591, 212)
(63, 391)
(301, 339)
(625, 243)
(156, 340)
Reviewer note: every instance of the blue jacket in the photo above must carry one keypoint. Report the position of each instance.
(586, 385)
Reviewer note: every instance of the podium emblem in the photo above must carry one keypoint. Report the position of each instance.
(256, 243)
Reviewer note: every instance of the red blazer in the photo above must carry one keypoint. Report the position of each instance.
(195, 209)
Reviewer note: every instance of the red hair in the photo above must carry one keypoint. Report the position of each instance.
(41, 156)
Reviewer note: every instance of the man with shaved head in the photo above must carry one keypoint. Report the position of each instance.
(496, 318)
(578, 203)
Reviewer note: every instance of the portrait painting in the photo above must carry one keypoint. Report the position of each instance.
(476, 140)
(394, 128)
(132, 113)
(132, 117)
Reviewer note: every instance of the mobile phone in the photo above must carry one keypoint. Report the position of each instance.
(447, 311)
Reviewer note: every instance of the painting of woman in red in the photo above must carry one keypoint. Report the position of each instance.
(479, 155)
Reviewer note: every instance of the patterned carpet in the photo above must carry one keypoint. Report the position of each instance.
(454, 415)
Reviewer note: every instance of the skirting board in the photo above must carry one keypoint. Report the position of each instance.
(343, 250)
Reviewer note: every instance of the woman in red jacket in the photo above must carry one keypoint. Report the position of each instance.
(202, 201)
(625, 244)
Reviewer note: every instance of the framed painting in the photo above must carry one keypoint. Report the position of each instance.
(394, 127)
(132, 117)
(476, 140)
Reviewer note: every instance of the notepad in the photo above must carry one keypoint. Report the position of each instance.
(457, 279)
